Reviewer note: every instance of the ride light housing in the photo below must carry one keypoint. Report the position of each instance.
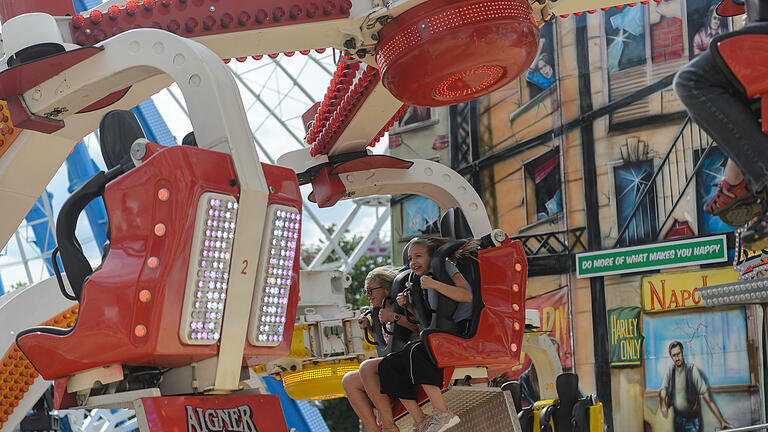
(444, 52)
(735, 293)
(318, 381)
(279, 250)
(208, 271)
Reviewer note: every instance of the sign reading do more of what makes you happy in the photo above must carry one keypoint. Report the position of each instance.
(650, 257)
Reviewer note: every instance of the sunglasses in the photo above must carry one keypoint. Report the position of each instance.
(368, 291)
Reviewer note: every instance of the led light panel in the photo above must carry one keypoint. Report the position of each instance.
(208, 273)
(279, 249)
(734, 293)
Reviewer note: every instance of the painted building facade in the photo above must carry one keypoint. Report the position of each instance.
(590, 150)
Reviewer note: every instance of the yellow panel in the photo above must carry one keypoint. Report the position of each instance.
(298, 348)
(8, 133)
(317, 382)
(678, 290)
(596, 420)
(17, 373)
(537, 407)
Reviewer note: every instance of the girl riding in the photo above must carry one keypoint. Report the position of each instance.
(400, 373)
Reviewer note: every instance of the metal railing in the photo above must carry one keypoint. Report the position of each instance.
(553, 242)
(552, 252)
(670, 180)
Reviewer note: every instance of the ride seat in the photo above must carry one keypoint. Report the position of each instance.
(742, 57)
(400, 335)
(497, 277)
(131, 305)
(453, 225)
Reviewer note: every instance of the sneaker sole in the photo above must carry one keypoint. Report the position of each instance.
(454, 421)
(744, 200)
(741, 214)
(754, 242)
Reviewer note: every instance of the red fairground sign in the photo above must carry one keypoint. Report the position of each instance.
(255, 413)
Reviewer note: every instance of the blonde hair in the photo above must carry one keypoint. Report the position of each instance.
(384, 275)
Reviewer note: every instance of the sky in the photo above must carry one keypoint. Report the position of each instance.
(269, 93)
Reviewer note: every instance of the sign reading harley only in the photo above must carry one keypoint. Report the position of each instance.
(215, 413)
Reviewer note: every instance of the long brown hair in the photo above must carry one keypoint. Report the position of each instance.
(433, 243)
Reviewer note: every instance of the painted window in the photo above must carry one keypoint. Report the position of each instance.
(708, 178)
(542, 72)
(645, 44)
(543, 173)
(420, 217)
(630, 180)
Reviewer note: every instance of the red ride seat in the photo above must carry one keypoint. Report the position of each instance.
(498, 327)
(742, 57)
(497, 280)
(114, 324)
(134, 306)
(495, 337)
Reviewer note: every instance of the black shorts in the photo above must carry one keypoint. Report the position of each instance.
(402, 371)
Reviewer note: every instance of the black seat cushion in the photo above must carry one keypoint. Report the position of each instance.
(118, 130)
(454, 225)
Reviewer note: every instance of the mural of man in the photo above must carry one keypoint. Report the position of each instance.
(683, 388)
(713, 26)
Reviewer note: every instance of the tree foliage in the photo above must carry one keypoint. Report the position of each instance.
(339, 416)
(19, 284)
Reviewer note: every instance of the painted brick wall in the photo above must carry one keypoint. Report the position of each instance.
(667, 39)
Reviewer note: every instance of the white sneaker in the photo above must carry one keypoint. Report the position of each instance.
(423, 424)
(442, 421)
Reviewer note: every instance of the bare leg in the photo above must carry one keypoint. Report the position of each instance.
(732, 173)
(435, 396)
(353, 387)
(413, 409)
(369, 372)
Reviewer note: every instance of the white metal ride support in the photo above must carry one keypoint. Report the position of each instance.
(273, 112)
(23, 241)
(220, 124)
(24, 260)
(429, 179)
(346, 263)
(337, 235)
(367, 241)
(276, 112)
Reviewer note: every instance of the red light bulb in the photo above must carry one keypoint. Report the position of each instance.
(96, 17)
(78, 21)
(114, 12)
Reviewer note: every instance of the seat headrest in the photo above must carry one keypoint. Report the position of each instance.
(406, 261)
(399, 284)
(454, 225)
